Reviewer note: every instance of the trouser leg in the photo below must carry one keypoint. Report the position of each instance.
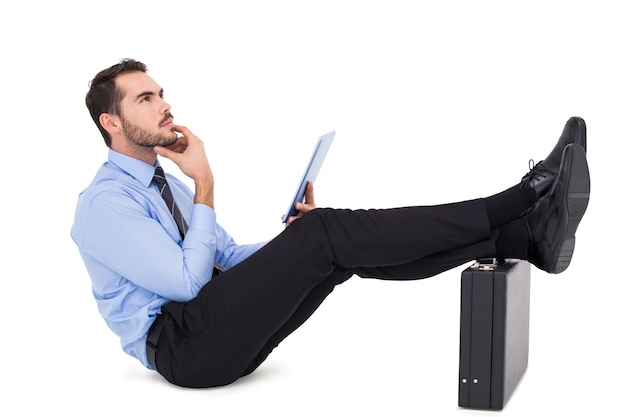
(306, 308)
(237, 318)
(427, 267)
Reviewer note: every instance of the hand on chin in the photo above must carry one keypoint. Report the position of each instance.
(179, 146)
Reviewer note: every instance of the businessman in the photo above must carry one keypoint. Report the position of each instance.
(189, 302)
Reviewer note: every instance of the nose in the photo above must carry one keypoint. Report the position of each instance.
(165, 106)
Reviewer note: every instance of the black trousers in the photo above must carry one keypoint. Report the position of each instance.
(240, 316)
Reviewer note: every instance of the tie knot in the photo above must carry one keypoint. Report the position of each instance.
(159, 176)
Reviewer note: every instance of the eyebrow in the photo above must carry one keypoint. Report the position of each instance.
(148, 93)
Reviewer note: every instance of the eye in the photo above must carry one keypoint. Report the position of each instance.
(145, 98)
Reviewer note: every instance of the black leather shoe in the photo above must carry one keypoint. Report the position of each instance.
(553, 220)
(575, 131)
(542, 174)
(539, 179)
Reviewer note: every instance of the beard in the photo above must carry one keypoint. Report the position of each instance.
(144, 138)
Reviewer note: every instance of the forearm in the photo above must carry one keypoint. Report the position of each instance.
(122, 238)
(204, 192)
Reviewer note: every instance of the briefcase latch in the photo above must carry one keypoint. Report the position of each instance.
(485, 264)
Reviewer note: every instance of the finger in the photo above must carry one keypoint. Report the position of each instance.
(182, 129)
(167, 153)
(302, 207)
(289, 220)
(309, 195)
(179, 146)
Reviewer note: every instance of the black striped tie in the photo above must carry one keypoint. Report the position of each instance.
(166, 193)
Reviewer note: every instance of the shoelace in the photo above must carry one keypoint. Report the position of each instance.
(537, 171)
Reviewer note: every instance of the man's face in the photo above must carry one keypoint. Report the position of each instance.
(145, 116)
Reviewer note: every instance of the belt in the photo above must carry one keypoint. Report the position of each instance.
(153, 339)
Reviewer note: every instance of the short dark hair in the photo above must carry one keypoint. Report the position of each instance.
(104, 96)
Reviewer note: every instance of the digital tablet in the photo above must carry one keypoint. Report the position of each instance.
(311, 171)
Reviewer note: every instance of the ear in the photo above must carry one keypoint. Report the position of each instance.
(110, 123)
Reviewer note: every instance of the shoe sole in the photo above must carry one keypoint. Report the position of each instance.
(580, 131)
(572, 191)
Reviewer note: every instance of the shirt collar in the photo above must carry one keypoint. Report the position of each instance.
(139, 170)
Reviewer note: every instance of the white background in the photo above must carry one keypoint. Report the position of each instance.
(432, 101)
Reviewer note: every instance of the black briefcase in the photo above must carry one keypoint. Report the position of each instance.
(495, 300)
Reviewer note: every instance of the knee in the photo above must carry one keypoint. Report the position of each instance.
(317, 218)
(312, 231)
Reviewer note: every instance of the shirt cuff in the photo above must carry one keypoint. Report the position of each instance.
(202, 218)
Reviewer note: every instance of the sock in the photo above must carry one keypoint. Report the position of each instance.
(513, 240)
(508, 205)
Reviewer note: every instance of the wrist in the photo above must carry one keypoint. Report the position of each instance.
(204, 193)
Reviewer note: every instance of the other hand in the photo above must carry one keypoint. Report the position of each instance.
(303, 208)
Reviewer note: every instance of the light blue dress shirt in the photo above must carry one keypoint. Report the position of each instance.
(133, 251)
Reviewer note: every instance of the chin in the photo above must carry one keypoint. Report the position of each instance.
(170, 140)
